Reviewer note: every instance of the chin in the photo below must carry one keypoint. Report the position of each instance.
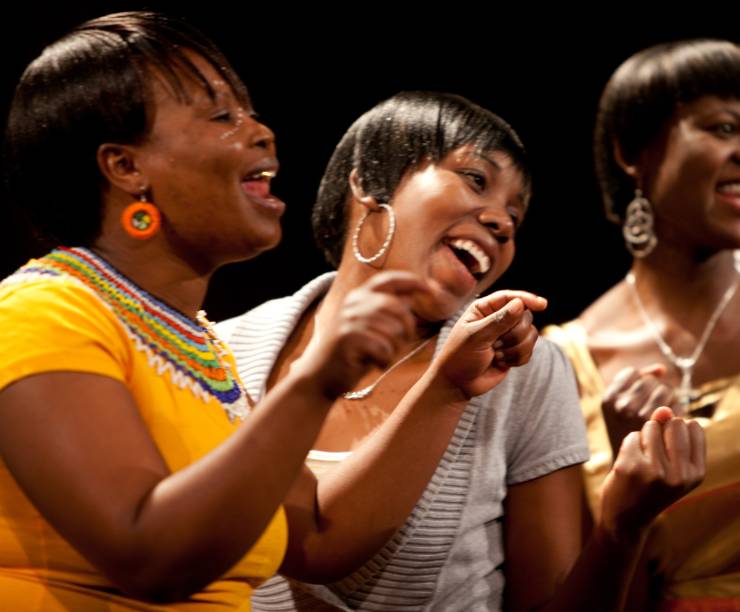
(250, 250)
(265, 242)
(439, 308)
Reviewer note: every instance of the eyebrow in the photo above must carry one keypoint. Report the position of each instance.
(209, 99)
(220, 93)
(718, 111)
(729, 107)
(484, 157)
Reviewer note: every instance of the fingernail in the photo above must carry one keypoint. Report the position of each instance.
(498, 344)
(498, 355)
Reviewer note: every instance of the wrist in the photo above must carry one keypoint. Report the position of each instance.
(611, 533)
(306, 378)
(446, 392)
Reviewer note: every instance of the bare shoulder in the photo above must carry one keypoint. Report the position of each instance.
(609, 315)
(613, 331)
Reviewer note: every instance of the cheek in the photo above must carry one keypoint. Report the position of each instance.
(503, 263)
(510, 251)
(701, 165)
(690, 163)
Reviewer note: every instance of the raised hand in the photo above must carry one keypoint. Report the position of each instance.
(372, 323)
(631, 399)
(655, 467)
(494, 334)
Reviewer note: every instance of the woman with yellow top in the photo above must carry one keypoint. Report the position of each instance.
(668, 160)
(135, 471)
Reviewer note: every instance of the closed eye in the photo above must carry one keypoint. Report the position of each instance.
(224, 116)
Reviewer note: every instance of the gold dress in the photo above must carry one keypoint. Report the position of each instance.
(693, 549)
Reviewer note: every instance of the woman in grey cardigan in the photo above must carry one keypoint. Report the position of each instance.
(435, 185)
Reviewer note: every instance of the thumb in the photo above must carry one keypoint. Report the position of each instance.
(662, 415)
(654, 369)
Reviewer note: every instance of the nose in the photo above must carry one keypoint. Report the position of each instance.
(261, 136)
(499, 223)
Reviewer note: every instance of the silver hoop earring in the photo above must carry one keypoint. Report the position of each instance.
(638, 232)
(388, 237)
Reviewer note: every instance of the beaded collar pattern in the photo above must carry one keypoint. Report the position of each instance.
(189, 353)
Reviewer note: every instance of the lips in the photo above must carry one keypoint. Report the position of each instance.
(728, 193)
(258, 183)
(255, 183)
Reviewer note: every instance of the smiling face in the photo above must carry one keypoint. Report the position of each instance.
(456, 222)
(692, 175)
(209, 162)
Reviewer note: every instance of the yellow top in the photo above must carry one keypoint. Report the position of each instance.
(56, 323)
(694, 546)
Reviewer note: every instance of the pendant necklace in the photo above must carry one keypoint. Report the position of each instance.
(685, 363)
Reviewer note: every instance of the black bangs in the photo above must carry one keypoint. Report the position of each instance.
(396, 136)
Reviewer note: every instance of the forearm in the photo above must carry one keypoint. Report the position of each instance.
(196, 523)
(601, 577)
(368, 497)
(654, 468)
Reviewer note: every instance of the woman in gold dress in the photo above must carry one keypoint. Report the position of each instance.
(667, 152)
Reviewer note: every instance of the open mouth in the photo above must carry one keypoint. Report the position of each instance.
(258, 183)
(472, 256)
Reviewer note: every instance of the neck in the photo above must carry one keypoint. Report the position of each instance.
(691, 311)
(681, 279)
(350, 278)
(165, 276)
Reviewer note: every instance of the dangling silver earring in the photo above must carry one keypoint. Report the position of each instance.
(388, 237)
(638, 232)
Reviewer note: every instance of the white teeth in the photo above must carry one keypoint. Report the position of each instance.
(484, 262)
(733, 188)
(263, 175)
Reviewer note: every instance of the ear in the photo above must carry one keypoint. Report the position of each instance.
(630, 169)
(358, 193)
(117, 163)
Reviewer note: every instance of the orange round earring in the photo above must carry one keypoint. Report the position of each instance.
(141, 220)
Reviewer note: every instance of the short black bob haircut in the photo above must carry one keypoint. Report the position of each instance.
(642, 96)
(398, 136)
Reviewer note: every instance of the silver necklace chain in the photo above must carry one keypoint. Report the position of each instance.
(365, 391)
(685, 364)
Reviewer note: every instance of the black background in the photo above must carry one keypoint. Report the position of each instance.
(313, 68)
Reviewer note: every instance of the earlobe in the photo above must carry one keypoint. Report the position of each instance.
(358, 193)
(117, 163)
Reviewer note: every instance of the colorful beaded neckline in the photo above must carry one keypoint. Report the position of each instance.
(189, 352)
